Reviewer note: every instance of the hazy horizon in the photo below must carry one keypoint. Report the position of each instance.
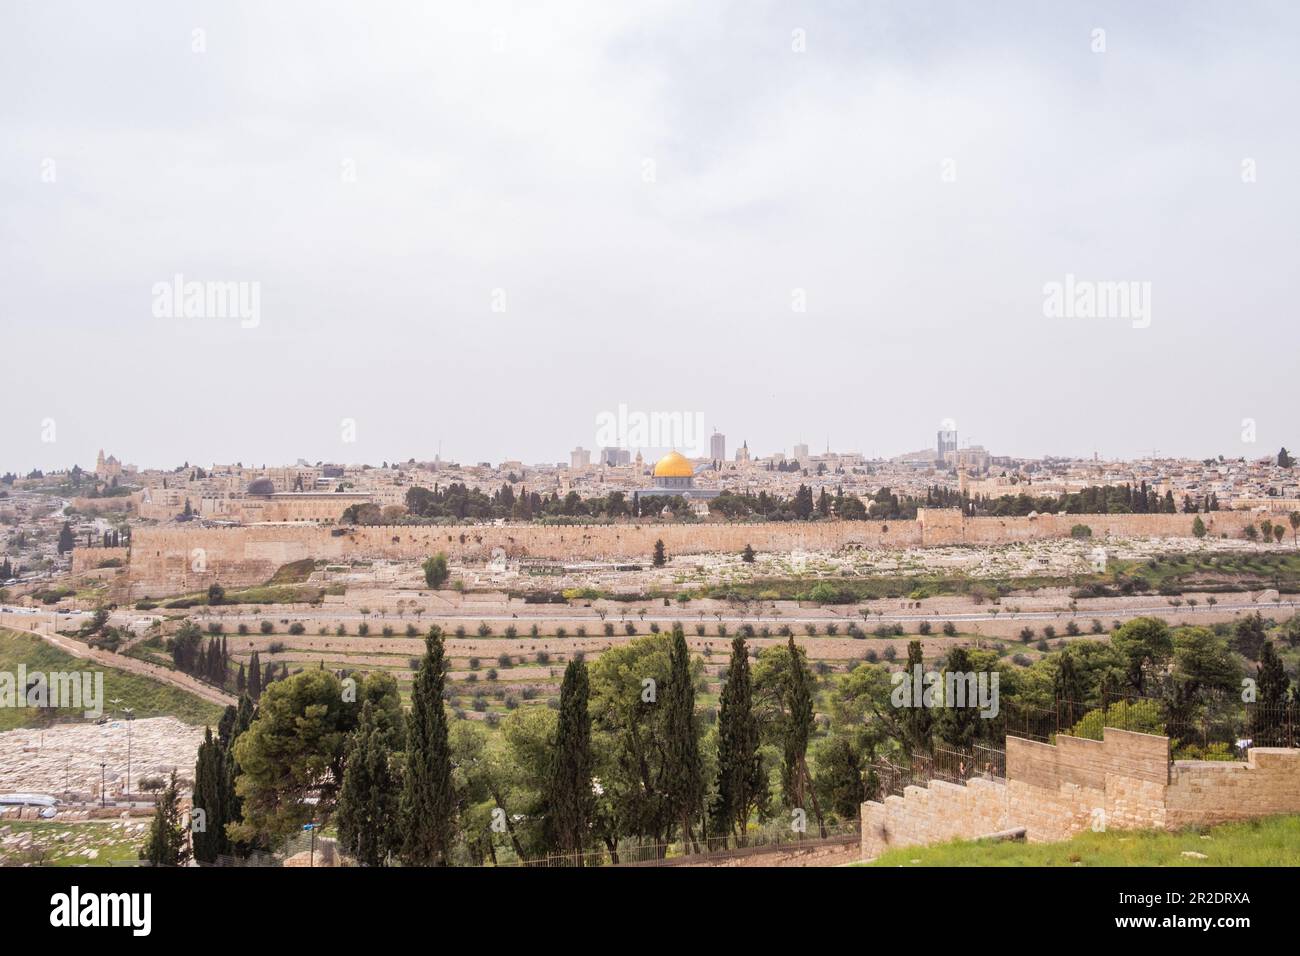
(485, 227)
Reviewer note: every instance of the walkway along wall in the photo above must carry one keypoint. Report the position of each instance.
(1124, 781)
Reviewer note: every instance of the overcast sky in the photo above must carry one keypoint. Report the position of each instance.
(483, 224)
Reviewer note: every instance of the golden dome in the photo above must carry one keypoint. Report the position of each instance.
(673, 465)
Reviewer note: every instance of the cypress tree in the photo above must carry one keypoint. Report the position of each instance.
(367, 814)
(799, 723)
(165, 845)
(210, 796)
(916, 721)
(683, 769)
(427, 798)
(1267, 716)
(568, 801)
(740, 770)
(255, 677)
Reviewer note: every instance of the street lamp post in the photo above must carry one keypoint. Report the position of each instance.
(130, 718)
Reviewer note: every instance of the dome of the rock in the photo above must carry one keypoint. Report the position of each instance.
(673, 465)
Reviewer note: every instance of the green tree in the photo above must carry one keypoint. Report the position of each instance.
(684, 770)
(917, 722)
(839, 778)
(568, 800)
(211, 795)
(660, 558)
(1145, 645)
(747, 555)
(740, 768)
(1249, 636)
(369, 799)
(1268, 713)
(66, 540)
(1198, 527)
(165, 845)
(293, 750)
(436, 571)
(428, 799)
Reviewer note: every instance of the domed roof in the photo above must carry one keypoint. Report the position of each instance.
(673, 465)
(261, 486)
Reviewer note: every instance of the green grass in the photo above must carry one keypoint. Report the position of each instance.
(1272, 841)
(69, 844)
(144, 695)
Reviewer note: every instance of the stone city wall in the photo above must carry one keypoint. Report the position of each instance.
(88, 559)
(1123, 782)
(170, 559)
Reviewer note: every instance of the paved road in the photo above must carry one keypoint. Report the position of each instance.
(685, 614)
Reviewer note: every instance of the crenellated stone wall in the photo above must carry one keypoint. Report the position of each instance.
(172, 558)
(1124, 781)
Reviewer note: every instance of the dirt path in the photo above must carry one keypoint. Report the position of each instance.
(130, 664)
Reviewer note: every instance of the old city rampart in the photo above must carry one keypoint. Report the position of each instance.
(169, 559)
(1053, 791)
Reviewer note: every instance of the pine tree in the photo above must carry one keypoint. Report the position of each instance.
(683, 769)
(428, 799)
(740, 769)
(660, 558)
(369, 799)
(568, 800)
(165, 845)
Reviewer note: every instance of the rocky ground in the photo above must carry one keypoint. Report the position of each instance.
(67, 757)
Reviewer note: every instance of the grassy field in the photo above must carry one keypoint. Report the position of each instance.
(145, 696)
(1273, 841)
(93, 843)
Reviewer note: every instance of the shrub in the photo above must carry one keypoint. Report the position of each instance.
(491, 673)
(1096, 627)
(505, 661)
(609, 629)
(1080, 531)
(1026, 634)
(297, 627)
(511, 631)
(949, 629)
(341, 631)
(923, 627)
(699, 630)
(275, 647)
(543, 657)
(266, 627)
(1049, 632)
(387, 631)
(460, 630)
(411, 631)
(832, 629)
(363, 629)
(890, 653)
(243, 629)
(629, 628)
(485, 629)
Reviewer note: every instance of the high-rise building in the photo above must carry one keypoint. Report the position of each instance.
(579, 458)
(801, 452)
(718, 446)
(614, 457)
(947, 445)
